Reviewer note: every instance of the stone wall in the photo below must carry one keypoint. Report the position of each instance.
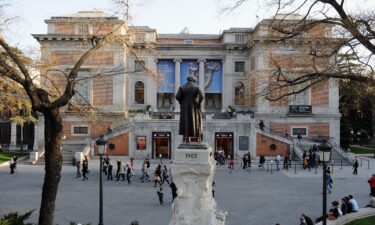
(270, 147)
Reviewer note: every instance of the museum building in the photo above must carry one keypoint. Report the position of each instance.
(133, 86)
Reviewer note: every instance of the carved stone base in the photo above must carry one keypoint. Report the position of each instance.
(193, 171)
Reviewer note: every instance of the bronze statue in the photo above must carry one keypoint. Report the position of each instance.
(190, 98)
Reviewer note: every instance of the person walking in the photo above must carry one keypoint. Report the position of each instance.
(173, 189)
(329, 181)
(12, 165)
(105, 165)
(355, 167)
(278, 158)
(261, 125)
(165, 175)
(85, 168)
(299, 137)
(248, 160)
(118, 168)
(244, 161)
(371, 182)
(128, 173)
(78, 166)
(110, 168)
(160, 195)
(121, 172)
(231, 163)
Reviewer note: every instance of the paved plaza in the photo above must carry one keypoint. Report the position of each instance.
(256, 197)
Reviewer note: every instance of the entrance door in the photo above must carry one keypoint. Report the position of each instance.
(225, 140)
(161, 144)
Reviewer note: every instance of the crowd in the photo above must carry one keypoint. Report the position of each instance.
(125, 171)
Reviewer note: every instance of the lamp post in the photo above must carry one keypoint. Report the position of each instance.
(102, 144)
(325, 155)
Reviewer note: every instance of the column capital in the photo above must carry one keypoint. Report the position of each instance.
(202, 60)
(177, 60)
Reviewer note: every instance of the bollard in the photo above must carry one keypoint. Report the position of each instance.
(368, 164)
(332, 167)
(295, 168)
(341, 165)
(271, 168)
(316, 169)
(267, 165)
(361, 162)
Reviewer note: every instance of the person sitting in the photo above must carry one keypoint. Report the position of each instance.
(371, 203)
(353, 203)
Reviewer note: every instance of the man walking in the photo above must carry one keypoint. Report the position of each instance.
(371, 181)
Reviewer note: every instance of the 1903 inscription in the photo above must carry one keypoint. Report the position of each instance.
(191, 155)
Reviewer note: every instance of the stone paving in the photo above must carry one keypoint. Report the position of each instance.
(250, 197)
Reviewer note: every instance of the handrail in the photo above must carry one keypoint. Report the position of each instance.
(342, 152)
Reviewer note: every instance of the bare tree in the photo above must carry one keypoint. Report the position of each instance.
(14, 68)
(348, 54)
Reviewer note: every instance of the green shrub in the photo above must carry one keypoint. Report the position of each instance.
(15, 219)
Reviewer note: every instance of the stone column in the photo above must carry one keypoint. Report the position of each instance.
(224, 103)
(193, 171)
(13, 136)
(177, 82)
(201, 81)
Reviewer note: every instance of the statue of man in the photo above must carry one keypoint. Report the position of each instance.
(190, 98)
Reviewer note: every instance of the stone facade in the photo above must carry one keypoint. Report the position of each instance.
(231, 68)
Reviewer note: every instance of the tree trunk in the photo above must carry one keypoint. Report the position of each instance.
(53, 164)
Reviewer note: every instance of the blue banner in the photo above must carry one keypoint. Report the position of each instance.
(213, 72)
(166, 71)
(189, 67)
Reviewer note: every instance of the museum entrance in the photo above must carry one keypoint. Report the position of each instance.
(225, 140)
(161, 144)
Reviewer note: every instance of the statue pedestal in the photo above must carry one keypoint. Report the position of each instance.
(193, 171)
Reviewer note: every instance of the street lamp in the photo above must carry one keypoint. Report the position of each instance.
(102, 145)
(325, 155)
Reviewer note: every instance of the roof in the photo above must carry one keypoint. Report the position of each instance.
(238, 30)
(189, 36)
(85, 15)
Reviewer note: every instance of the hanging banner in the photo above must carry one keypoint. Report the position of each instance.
(213, 72)
(166, 72)
(189, 67)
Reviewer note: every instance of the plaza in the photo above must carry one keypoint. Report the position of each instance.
(250, 196)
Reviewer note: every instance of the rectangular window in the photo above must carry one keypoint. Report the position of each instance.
(80, 130)
(188, 42)
(240, 39)
(239, 66)
(83, 29)
(302, 130)
(139, 65)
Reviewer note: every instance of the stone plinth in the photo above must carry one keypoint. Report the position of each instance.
(193, 171)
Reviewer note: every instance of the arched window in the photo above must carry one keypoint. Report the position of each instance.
(139, 93)
(239, 94)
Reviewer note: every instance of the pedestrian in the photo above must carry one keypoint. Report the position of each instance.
(128, 174)
(213, 189)
(145, 175)
(110, 167)
(286, 135)
(78, 166)
(118, 168)
(261, 124)
(173, 189)
(157, 175)
(160, 194)
(132, 166)
(371, 181)
(278, 158)
(165, 175)
(262, 160)
(12, 164)
(355, 167)
(244, 161)
(121, 172)
(286, 162)
(307, 219)
(105, 164)
(161, 158)
(231, 163)
(85, 168)
(248, 159)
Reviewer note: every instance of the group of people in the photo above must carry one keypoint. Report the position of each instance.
(219, 155)
(246, 160)
(312, 159)
(341, 207)
(126, 171)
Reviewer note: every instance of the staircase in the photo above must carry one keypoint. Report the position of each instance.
(67, 151)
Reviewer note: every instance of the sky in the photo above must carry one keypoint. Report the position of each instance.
(167, 16)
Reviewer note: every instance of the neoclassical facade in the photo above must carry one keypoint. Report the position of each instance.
(231, 68)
